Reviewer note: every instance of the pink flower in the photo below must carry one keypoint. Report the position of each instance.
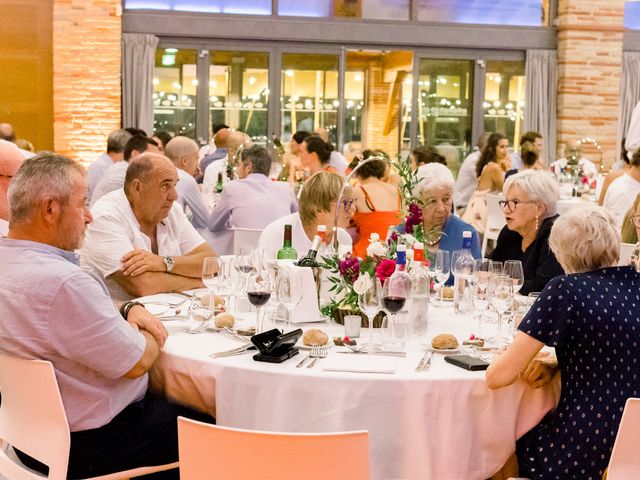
(349, 268)
(413, 218)
(385, 269)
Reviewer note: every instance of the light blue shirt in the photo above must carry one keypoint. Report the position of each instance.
(189, 196)
(51, 309)
(97, 170)
(113, 179)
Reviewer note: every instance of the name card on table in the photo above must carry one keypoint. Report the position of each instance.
(308, 309)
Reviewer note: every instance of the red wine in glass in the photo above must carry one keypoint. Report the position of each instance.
(393, 303)
(258, 299)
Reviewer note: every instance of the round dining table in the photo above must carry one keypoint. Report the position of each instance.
(442, 423)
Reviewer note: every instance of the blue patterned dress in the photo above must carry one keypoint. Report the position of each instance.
(593, 321)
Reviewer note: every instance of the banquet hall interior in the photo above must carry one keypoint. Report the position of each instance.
(344, 239)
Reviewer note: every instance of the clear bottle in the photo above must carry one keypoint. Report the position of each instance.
(420, 288)
(462, 268)
(309, 260)
(287, 252)
(322, 233)
(219, 184)
(399, 323)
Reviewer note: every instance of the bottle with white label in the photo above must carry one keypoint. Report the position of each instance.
(462, 267)
(396, 298)
(420, 287)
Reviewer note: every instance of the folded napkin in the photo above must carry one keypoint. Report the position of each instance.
(307, 310)
(359, 363)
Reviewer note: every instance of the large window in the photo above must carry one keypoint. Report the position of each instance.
(246, 7)
(239, 91)
(174, 91)
(378, 9)
(533, 13)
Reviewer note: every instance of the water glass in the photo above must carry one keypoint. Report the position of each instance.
(440, 270)
(370, 303)
(201, 309)
(289, 291)
(501, 294)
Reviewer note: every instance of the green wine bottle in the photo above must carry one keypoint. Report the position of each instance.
(219, 184)
(287, 252)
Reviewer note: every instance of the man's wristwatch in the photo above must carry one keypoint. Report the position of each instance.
(169, 262)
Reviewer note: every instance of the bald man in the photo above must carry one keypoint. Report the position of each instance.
(215, 150)
(183, 152)
(234, 141)
(140, 241)
(10, 161)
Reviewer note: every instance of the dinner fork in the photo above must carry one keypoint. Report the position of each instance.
(321, 352)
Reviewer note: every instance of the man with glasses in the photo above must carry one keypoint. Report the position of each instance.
(10, 161)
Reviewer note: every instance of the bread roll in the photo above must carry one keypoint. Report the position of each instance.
(444, 341)
(224, 320)
(314, 336)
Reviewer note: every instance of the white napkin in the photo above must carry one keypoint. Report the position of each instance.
(307, 310)
(172, 298)
(360, 363)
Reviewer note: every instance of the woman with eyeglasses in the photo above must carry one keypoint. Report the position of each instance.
(530, 210)
(631, 231)
(378, 204)
(319, 200)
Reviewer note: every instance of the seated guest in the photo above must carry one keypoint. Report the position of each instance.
(53, 310)
(529, 159)
(10, 161)
(215, 150)
(292, 160)
(614, 173)
(317, 206)
(378, 204)
(336, 160)
(442, 229)
(590, 317)
(588, 167)
(535, 139)
(162, 138)
(425, 154)
(183, 152)
(226, 166)
(631, 231)
(622, 191)
(113, 178)
(315, 155)
(139, 241)
(530, 211)
(116, 142)
(467, 179)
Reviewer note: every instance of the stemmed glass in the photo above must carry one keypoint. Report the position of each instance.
(244, 263)
(440, 270)
(513, 268)
(481, 284)
(233, 281)
(289, 290)
(501, 300)
(211, 274)
(370, 304)
(495, 268)
(395, 292)
(200, 311)
(259, 292)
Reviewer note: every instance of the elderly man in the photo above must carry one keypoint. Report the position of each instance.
(113, 178)
(140, 241)
(51, 309)
(116, 143)
(183, 152)
(10, 160)
(234, 141)
(253, 201)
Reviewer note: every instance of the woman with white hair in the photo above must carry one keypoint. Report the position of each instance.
(442, 229)
(530, 211)
(591, 318)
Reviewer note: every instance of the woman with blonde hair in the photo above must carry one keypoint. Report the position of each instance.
(590, 317)
(631, 231)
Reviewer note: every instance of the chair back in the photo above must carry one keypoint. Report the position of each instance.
(625, 462)
(213, 452)
(245, 237)
(495, 220)
(626, 249)
(32, 417)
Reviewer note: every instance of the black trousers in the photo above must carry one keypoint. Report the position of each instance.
(143, 434)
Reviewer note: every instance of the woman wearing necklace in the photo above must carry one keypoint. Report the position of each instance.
(530, 210)
(443, 230)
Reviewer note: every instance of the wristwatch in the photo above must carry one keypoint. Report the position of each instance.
(169, 262)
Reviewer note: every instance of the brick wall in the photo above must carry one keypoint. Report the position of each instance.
(589, 68)
(86, 75)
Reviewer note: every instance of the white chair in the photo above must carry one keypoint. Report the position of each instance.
(626, 249)
(245, 237)
(495, 220)
(625, 461)
(221, 453)
(33, 420)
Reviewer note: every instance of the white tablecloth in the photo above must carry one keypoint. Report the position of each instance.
(444, 423)
(566, 204)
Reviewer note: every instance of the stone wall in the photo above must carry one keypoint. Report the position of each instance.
(86, 75)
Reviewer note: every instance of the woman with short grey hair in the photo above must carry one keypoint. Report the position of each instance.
(530, 209)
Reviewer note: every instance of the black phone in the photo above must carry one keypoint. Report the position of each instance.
(273, 342)
(467, 362)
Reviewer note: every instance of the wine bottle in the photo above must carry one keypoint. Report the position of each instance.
(219, 185)
(462, 267)
(398, 301)
(287, 252)
(309, 260)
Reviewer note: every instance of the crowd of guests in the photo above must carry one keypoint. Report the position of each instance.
(148, 231)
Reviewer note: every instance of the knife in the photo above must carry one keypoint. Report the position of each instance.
(425, 362)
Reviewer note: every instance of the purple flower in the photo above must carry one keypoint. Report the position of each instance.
(414, 217)
(349, 268)
(385, 269)
(393, 238)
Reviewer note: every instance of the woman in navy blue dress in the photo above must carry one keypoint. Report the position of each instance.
(592, 318)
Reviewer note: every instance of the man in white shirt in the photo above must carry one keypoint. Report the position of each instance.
(183, 152)
(467, 179)
(623, 191)
(234, 141)
(588, 167)
(113, 178)
(116, 142)
(10, 161)
(140, 242)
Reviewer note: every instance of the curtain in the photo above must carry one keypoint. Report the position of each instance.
(138, 60)
(629, 93)
(540, 99)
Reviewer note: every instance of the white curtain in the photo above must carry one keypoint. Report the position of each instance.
(629, 93)
(540, 100)
(138, 60)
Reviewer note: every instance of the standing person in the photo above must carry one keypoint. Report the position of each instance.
(116, 143)
(467, 179)
(53, 310)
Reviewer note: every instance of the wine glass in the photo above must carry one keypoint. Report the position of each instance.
(501, 294)
(513, 268)
(495, 268)
(440, 270)
(201, 309)
(244, 263)
(259, 292)
(210, 273)
(289, 290)
(481, 284)
(370, 304)
(395, 292)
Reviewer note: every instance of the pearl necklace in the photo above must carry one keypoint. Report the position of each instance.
(435, 242)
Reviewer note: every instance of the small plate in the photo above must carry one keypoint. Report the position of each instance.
(444, 350)
(302, 346)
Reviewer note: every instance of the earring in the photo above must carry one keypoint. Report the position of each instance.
(537, 223)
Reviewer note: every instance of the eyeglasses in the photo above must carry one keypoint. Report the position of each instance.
(512, 204)
(635, 219)
(348, 203)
